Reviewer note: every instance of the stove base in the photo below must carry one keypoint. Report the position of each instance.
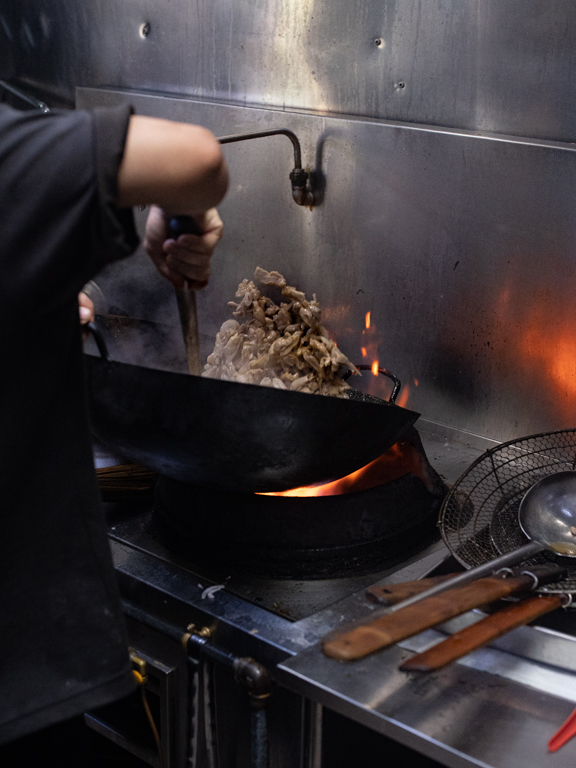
(297, 538)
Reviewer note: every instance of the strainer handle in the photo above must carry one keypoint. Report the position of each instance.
(510, 558)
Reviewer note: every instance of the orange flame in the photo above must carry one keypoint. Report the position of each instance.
(364, 353)
(375, 368)
(367, 319)
(404, 395)
(416, 382)
(396, 462)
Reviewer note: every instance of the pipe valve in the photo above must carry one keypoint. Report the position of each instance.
(302, 194)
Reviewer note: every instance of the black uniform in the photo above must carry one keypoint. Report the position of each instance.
(62, 642)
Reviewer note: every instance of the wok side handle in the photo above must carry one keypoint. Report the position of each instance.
(383, 372)
(99, 339)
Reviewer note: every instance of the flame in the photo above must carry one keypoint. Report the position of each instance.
(396, 462)
(416, 382)
(370, 349)
(404, 395)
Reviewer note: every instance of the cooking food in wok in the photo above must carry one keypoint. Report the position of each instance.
(227, 434)
(282, 345)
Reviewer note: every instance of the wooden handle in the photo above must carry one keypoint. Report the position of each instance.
(482, 633)
(182, 225)
(409, 621)
(391, 594)
(189, 321)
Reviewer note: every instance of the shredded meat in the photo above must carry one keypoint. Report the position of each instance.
(278, 346)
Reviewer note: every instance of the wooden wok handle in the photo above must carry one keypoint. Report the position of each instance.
(409, 621)
(186, 298)
(482, 633)
(390, 594)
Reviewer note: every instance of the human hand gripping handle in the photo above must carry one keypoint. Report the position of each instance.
(183, 258)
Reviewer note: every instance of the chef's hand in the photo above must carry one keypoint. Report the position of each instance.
(85, 309)
(188, 257)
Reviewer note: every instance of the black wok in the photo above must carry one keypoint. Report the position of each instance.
(233, 436)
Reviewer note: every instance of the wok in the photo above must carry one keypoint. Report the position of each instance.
(239, 437)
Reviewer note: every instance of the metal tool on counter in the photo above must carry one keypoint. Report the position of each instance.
(547, 517)
(479, 517)
(186, 298)
(394, 627)
(483, 632)
(391, 594)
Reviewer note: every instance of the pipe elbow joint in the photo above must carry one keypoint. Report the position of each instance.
(256, 679)
(301, 192)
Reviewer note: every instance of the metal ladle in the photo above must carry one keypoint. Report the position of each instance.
(547, 515)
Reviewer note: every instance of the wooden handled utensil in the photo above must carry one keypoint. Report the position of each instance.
(387, 630)
(186, 298)
(483, 632)
(391, 594)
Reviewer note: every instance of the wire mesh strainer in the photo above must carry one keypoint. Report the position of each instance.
(479, 518)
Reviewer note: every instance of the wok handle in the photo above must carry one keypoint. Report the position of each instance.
(387, 630)
(186, 298)
(383, 372)
(99, 339)
(183, 225)
(483, 632)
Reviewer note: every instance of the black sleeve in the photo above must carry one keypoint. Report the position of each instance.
(59, 222)
(116, 225)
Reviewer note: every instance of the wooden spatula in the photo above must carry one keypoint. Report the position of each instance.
(483, 632)
(409, 621)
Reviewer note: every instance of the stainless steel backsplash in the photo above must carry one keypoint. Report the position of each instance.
(458, 241)
(461, 246)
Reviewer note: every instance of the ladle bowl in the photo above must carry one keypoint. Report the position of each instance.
(547, 513)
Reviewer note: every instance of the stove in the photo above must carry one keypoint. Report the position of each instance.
(527, 680)
(292, 556)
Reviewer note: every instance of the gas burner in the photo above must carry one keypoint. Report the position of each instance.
(288, 537)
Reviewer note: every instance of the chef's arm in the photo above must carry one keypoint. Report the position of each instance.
(179, 169)
(177, 166)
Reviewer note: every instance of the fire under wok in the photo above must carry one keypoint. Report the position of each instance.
(222, 434)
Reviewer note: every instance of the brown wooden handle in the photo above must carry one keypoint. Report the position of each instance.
(409, 621)
(482, 633)
(390, 594)
(189, 321)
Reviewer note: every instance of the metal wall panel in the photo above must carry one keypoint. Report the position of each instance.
(462, 247)
(497, 65)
